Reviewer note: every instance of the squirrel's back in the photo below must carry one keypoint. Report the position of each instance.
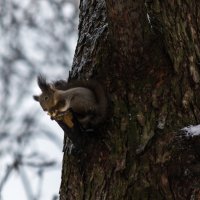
(99, 93)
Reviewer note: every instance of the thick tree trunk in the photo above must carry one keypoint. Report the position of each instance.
(146, 55)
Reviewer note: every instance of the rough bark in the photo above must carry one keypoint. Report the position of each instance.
(146, 55)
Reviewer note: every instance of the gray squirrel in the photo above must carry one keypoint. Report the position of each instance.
(86, 98)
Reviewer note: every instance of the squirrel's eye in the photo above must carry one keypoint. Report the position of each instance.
(46, 98)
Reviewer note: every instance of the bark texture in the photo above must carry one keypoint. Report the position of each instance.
(147, 56)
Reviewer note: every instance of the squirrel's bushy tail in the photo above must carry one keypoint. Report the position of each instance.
(102, 102)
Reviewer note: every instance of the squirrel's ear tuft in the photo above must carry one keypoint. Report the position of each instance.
(44, 86)
(35, 97)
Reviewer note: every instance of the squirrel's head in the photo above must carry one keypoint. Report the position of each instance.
(45, 99)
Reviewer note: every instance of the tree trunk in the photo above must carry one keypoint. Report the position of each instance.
(146, 55)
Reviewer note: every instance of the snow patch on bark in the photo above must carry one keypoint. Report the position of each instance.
(191, 131)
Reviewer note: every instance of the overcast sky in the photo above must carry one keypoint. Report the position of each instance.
(36, 36)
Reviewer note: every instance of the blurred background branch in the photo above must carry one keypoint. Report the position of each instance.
(37, 36)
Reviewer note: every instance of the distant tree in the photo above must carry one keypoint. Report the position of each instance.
(147, 56)
(33, 40)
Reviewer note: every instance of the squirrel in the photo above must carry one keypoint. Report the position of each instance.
(86, 98)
